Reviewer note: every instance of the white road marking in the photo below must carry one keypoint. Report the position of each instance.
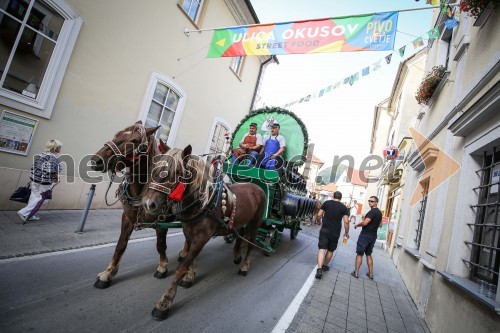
(287, 317)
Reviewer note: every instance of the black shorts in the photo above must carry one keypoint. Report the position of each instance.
(365, 243)
(328, 241)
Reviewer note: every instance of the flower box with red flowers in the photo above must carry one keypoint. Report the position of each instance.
(429, 84)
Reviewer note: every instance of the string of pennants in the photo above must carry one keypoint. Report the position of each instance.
(434, 33)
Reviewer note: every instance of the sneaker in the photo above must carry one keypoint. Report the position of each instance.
(21, 216)
(356, 275)
(325, 268)
(34, 218)
(319, 273)
(370, 276)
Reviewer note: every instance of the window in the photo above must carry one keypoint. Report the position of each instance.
(236, 65)
(192, 8)
(163, 105)
(421, 213)
(218, 139)
(447, 39)
(35, 47)
(485, 246)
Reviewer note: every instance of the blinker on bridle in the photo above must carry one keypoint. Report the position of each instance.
(174, 195)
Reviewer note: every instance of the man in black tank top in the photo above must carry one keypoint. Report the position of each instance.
(333, 213)
(367, 237)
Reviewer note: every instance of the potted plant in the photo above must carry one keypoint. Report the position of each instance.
(429, 84)
(476, 7)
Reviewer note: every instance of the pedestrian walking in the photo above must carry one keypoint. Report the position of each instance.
(333, 213)
(354, 212)
(367, 237)
(44, 176)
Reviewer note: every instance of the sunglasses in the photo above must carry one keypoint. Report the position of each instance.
(372, 201)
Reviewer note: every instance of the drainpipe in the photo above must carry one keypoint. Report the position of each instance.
(259, 80)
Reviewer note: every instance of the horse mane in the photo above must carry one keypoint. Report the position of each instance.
(131, 128)
(199, 184)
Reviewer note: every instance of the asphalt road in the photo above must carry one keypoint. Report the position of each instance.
(55, 293)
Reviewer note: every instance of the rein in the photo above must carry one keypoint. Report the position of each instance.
(134, 155)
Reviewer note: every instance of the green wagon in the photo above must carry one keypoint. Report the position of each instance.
(287, 203)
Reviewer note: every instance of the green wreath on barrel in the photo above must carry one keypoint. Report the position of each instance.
(291, 127)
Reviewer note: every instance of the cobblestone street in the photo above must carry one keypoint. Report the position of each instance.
(341, 303)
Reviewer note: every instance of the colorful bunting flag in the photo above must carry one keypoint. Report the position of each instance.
(451, 21)
(353, 78)
(418, 42)
(434, 33)
(433, 2)
(450, 24)
(402, 51)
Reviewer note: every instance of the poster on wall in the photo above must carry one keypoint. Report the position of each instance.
(16, 132)
(495, 179)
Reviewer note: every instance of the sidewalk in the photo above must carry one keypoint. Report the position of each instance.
(336, 303)
(339, 302)
(55, 231)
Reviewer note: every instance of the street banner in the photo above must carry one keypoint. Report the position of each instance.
(373, 32)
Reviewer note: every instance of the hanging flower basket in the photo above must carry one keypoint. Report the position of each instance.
(429, 84)
(476, 7)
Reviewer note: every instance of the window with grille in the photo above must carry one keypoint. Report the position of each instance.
(162, 110)
(236, 65)
(34, 43)
(485, 246)
(192, 8)
(421, 214)
(218, 138)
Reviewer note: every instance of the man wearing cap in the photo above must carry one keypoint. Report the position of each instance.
(271, 153)
(249, 145)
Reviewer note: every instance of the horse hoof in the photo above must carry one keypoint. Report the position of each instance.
(237, 261)
(160, 275)
(102, 284)
(180, 259)
(185, 284)
(159, 315)
(242, 273)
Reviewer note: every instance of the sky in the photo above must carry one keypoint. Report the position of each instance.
(339, 123)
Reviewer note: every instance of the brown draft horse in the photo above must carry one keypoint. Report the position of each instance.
(134, 148)
(206, 209)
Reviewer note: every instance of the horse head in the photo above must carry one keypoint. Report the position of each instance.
(124, 147)
(177, 177)
(167, 182)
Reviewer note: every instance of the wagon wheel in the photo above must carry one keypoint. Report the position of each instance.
(275, 239)
(294, 230)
